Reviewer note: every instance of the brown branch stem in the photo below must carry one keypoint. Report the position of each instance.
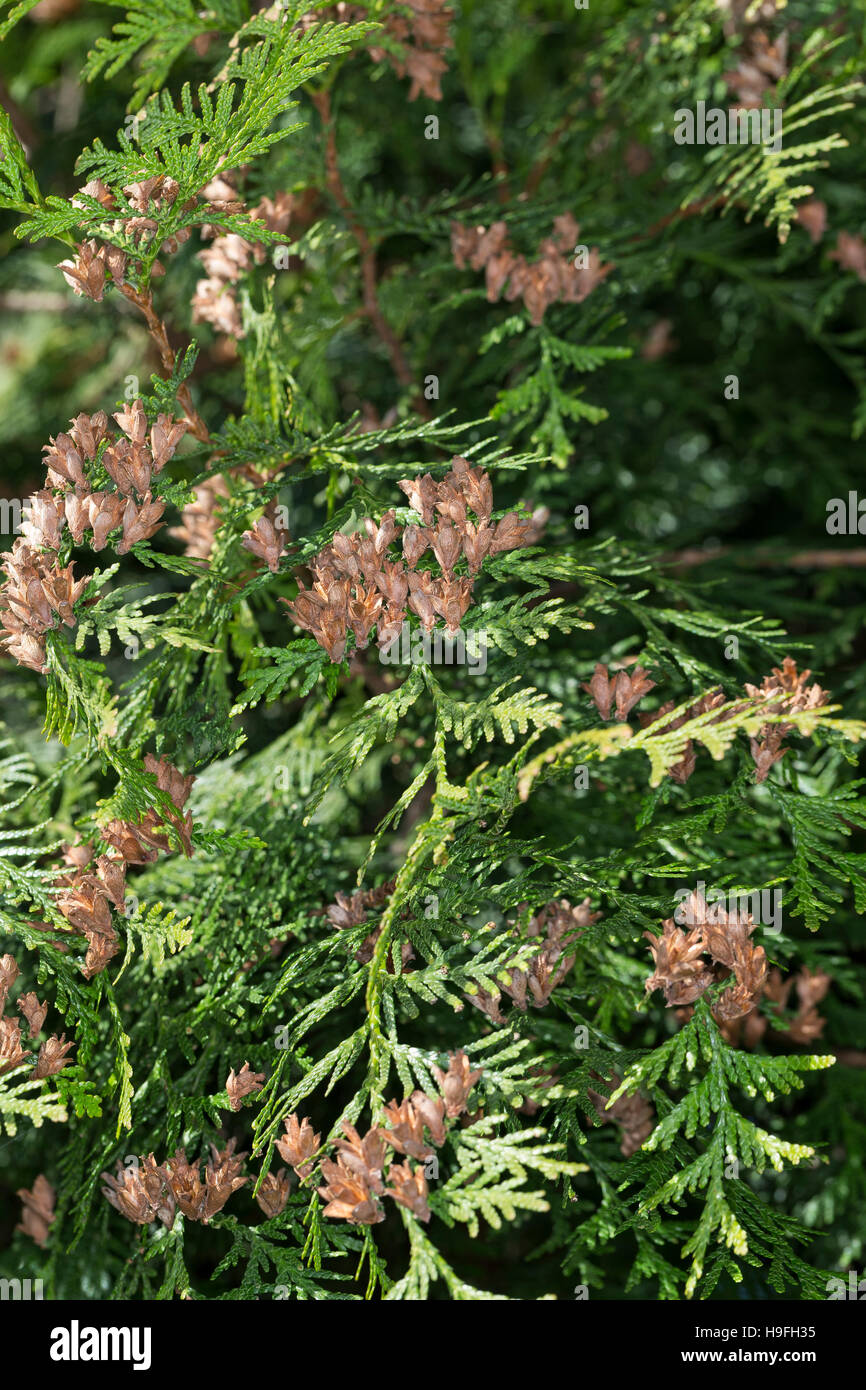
(369, 279)
(143, 301)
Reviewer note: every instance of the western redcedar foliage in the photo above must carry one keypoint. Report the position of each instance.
(327, 943)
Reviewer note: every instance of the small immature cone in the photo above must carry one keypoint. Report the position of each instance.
(85, 905)
(477, 488)
(63, 460)
(112, 872)
(489, 243)
(200, 519)
(409, 1188)
(476, 544)
(133, 421)
(265, 540)
(140, 521)
(383, 534)
(88, 432)
(733, 1003)
(34, 1013)
(813, 216)
(629, 687)
(364, 1157)
(139, 1193)
(451, 503)
(343, 550)
(456, 1083)
(274, 1192)
(364, 610)
(214, 303)
(86, 272)
(45, 521)
(565, 231)
(422, 493)
(122, 837)
(489, 1005)
(243, 1083)
(129, 466)
(392, 583)
(415, 541)
(510, 533)
(421, 598)
(161, 1200)
(183, 1180)
(851, 254)
(12, 1054)
(105, 511)
(347, 1196)
(8, 975)
(406, 1132)
(432, 1112)
(222, 1178)
(78, 856)
(170, 779)
(26, 648)
(601, 688)
(588, 277)
(76, 507)
(451, 600)
(298, 1145)
(52, 1057)
(165, 436)
(680, 972)
(496, 273)
(100, 951)
(37, 1214)
(116, 262)
(446, 547)
(62, 591)
(389, 625)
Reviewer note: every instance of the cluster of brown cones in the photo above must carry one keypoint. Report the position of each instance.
(351, 911)
(422, 36)
(38, 593)
(804, 1026)
(358, 585)
(552, 278)
(633, 1113)
(786, 690)
(243, 1083)
(147, 1190)
(850, 249)
(267, 538)
(558, 923)
(37, 1210)
(200, 519)
(93, 887)
(682, 770)
(763, 62)
(86, 271)
(146, 198)
(229, 255)
(52, 1054)
(683, 973)
(622, 691)
(357, 1177)
(797, 695)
